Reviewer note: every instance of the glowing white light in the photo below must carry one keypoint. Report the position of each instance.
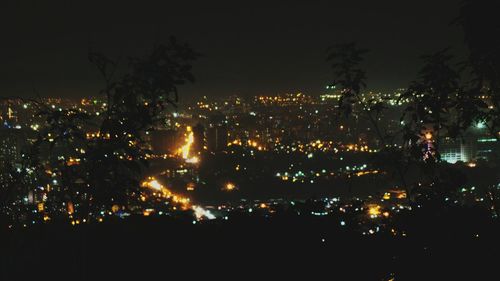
(481, 125)
(155, 185)
(201, 213)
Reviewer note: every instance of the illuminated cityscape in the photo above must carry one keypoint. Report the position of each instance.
(317, 165)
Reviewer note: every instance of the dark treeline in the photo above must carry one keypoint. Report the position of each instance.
(306, 247)
(449, 96)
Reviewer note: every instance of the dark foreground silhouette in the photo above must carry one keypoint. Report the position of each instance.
(259, 248)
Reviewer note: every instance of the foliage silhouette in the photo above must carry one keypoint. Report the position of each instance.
(481, 26)
(346, 60)
(102, 169)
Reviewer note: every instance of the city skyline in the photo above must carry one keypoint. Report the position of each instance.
(341, 140)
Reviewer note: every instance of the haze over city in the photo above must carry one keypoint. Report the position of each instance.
(249, 48)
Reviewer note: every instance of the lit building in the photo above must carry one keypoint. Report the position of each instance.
(12, 142)
(456, 150)
(217, 133)
(487, 148)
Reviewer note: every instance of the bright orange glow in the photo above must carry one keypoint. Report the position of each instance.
(190, 186)
(184, 202)
(374, 211)
(187, 147)
(185, 150)
(387, 196)
(154, 184)
(70, 208)
(115, 208)
(428, 136)
(73, 161)
(362, 173)
(230, 186)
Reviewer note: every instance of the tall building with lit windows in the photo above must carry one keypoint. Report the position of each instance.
(488, 148)
(476, 144)
(455, 150)
(12, 141)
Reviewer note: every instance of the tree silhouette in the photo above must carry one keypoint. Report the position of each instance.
(346, 60)
(433, 98)
(481, 26)
(104, 168)
(439, 107)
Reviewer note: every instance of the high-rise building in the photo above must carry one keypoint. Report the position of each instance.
(488, 148)
(455, 150)
(199, 142)
(12, 141)
(217, 138)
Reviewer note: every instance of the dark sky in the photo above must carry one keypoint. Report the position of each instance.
(250, 47)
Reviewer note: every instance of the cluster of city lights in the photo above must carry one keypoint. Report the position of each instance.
(185, 151)
(159, 190)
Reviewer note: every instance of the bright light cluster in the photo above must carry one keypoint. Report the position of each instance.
(185, 150)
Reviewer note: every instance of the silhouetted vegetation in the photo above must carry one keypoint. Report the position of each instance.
(104, 168)
(435, 235)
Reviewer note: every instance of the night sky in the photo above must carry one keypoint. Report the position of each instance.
(249, 47)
